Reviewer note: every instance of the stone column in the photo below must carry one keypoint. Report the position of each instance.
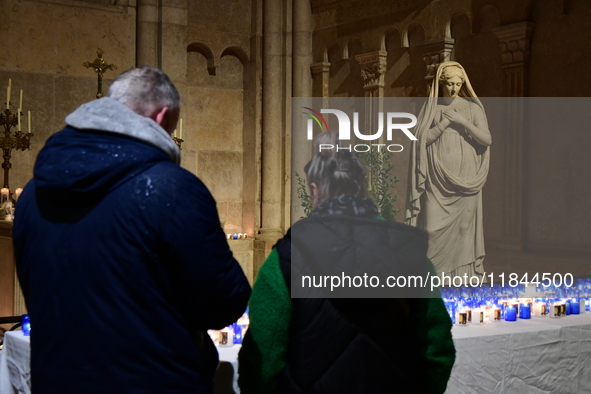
(272, 130)
(373, 67)
(514, 41)
(173, 60)
(148, 33)
(321, 78)
(302, 48)
(174, 40)
(434, 53)
(302, 88)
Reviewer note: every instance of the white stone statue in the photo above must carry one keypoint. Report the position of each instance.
(449, 166)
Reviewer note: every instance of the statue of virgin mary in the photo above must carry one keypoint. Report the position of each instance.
(448, 169)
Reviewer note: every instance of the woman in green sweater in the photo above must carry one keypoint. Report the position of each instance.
(343, 345)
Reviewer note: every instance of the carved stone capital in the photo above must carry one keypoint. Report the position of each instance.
(373, 66)
(436, 52)
(514, 41)
(319, 68)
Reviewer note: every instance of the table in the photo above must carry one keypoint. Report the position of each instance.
(15, 369)
(15, 374)
(528, 356)
(533, 356)
(226, 376)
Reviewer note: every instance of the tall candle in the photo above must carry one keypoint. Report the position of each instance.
(29, 122)
(17, 192)
(181, 130)
(20, 102)
(19, 119)
(8, 93)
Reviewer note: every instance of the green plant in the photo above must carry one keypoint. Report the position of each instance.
(302, 192)
(381, 182)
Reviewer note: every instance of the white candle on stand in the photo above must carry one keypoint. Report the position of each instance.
(8, 94)
(19, 119)
(181, 130)
(29, 122)
(17, 193)
(4, 192)
(20, 102)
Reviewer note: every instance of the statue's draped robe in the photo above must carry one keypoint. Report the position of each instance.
(447, 174)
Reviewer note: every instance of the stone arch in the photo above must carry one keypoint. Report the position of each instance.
(391, 39)
(354, 47)
(413, 35)
(488, 17)
(236, 51)
(333, 53)
(459, 25)
(231, 67)
(205, 50)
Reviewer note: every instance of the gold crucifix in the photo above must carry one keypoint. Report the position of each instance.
(100, 66)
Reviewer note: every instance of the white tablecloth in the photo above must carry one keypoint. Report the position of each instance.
(15, 369)
(534, 356)
(15, 373)
(537, 356)
(227, 370)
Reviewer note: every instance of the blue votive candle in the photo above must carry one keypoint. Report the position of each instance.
(575, 307)
(237, 334)
(26, 325)
(568, 307)
(511, 313)
(525, 311)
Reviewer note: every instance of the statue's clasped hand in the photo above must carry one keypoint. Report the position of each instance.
(455, 117)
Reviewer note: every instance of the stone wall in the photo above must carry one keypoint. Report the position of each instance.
(43, 46)
(217, 107)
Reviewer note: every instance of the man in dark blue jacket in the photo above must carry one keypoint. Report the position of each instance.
(120, 253)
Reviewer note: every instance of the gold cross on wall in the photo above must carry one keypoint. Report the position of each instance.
(100, 66)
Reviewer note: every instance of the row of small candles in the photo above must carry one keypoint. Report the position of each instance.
(7, 207)
(479, 305)
(464, 312)
(20, 106)
(237, 236)
(5, 193)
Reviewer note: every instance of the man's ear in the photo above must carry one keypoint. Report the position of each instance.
(160, 115)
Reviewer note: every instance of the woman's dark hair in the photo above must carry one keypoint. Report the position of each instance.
(335, 172)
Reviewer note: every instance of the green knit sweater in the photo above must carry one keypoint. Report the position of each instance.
(264, 349)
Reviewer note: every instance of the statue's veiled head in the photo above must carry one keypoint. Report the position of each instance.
(451, 80)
